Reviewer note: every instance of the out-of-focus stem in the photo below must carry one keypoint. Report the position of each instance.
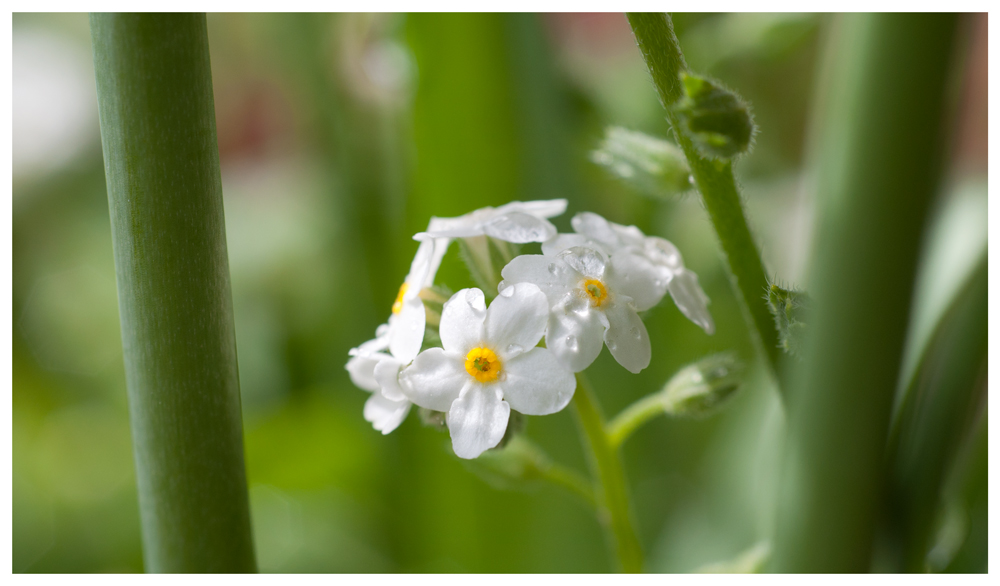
(655, 34)
(614, 511)
(881, 162)
(154, 88)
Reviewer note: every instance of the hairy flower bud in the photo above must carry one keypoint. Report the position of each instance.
(653, 166)
(703, 387)
(789, 309)
(716, 119)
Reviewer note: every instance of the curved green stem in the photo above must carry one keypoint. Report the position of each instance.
(626, 422)
(655, 34)
(609, 478)
(572, 481)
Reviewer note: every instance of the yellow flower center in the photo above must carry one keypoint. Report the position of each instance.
(597, 292)
(482, 364)
(397, 305)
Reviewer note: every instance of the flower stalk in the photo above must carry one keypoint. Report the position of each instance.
(154, 87)
(614, 511)
(714, 177)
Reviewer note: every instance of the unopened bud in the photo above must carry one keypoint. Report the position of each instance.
(654, 167)
(789, 308)
(716, 119)
(703, 387)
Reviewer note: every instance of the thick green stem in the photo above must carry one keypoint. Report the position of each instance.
(880, 167)
(636, 414)
(154, 87)
(655, 34)
(609, 478)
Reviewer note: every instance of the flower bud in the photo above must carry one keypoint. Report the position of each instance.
(703, 387)
(654, 167)
(716, 119)
(789, 309)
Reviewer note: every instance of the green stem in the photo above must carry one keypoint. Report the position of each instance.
(609, 478)
(882, 155)
(655, 34)
(154, 87)
(572, 481)
(636, 414)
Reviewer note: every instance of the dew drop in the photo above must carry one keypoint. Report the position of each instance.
(514, 349)
(572, 344)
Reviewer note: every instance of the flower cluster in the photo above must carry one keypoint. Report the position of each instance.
(583, 292)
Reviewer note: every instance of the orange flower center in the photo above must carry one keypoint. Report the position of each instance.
(482, 364)
(596, 291)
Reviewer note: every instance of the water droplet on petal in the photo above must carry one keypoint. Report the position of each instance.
(515, 349)
(572, 344)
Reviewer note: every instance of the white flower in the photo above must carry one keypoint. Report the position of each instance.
(517, 222)
(409, 318)
(488, 365)
(593, 301)
(612, 239)
(371, 367)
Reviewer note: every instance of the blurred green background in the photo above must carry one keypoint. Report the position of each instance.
(339, 136)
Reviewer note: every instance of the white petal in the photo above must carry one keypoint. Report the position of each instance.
(663, 252)
(361, 368)
(477, 420)
(586, 261)
(691, 300)
(575, 332)
(462, 318)
(553, 276)
(519, 228)
(384, 414)
(537, 383)
(595, 227)
(440, 247)
(434, 379)
(419, 266)
(543, 208)
(377, 344)
(628, 235)
(633, 274)
(387, 375)
(626, 336)
(406, 333)
(515, 321)
(561, 242)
